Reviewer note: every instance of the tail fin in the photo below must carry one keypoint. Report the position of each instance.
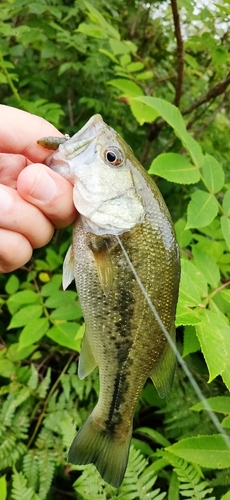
(102, 448)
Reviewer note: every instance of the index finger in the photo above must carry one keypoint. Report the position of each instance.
(19, 132)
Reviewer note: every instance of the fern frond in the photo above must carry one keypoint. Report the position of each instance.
(222, 478)
(66, 385)
(137, 485)
(30, 469)
(46, 467)
(192, 486)
(139, 480)
(10, 450)
(44, 385)
(68, 429)
(21, 422)
(179, 420)
(20, 491)
(33, 380)
(11, 403)
(44, 438)
(89, 485)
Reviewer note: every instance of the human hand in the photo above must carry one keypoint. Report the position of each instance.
(33, 199)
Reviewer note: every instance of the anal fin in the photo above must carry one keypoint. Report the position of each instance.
(87, 361)
(163, 373)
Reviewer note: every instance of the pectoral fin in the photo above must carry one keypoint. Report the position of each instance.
(103, 263)
(87, 361)
(68, 268)
(162, 375)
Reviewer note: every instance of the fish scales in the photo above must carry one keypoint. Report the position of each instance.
(122, 336)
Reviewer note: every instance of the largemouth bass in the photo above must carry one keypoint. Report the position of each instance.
(116, 197)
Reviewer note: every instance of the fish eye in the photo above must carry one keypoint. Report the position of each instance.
(113, 156)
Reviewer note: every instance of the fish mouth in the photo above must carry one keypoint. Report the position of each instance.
(80, 141)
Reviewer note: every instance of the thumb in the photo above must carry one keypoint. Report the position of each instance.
(49, 192)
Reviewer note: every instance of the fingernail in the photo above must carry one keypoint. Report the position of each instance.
(44, 188)
(5, 199)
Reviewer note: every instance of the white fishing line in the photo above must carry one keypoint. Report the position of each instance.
(192, 380)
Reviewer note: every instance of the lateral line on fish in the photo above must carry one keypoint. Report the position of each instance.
(180, 360)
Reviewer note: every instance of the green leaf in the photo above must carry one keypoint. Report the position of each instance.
(220, 404)
(93, 30)
(7, 369)
(189, 292)
(213, 333)
(127, 87)
(16, 354)
(202, 209)
(156, 436)
(191, 342)
(213, 174)
(141, 112)
(125, 60)
(207, 266)
(225, 226)
(226, 203)
(54, 260)
(68, 312)
(135, 66)
(183, 236)
(33, 331)
(226, 422)
(65, 334)
(12, 284)
(3, 488)
(118, 47)
(60, 298)
(173, 117)
(109, 55)
(144, 75)
(175, 168)
(185, 315)
(207, 451)
(54, 284)
(226, 496)
(26, 314)
(191, 61)
(173, 492)
(98, 18)
(20, 298)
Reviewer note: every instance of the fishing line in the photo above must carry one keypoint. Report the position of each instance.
(180, 360)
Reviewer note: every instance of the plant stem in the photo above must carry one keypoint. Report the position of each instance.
(9, 79)
(180, 52)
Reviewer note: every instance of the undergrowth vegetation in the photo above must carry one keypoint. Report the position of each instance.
(162, 82)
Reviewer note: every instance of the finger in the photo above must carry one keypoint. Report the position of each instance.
(10, 168)
(49, 192)
(15, 250)
(22, 217)
(20, 131)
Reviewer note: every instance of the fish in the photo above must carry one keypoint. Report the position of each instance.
(117, 201)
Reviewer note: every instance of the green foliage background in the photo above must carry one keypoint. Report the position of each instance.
(163, 83)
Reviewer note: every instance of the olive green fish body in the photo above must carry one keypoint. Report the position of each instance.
(122, 335)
